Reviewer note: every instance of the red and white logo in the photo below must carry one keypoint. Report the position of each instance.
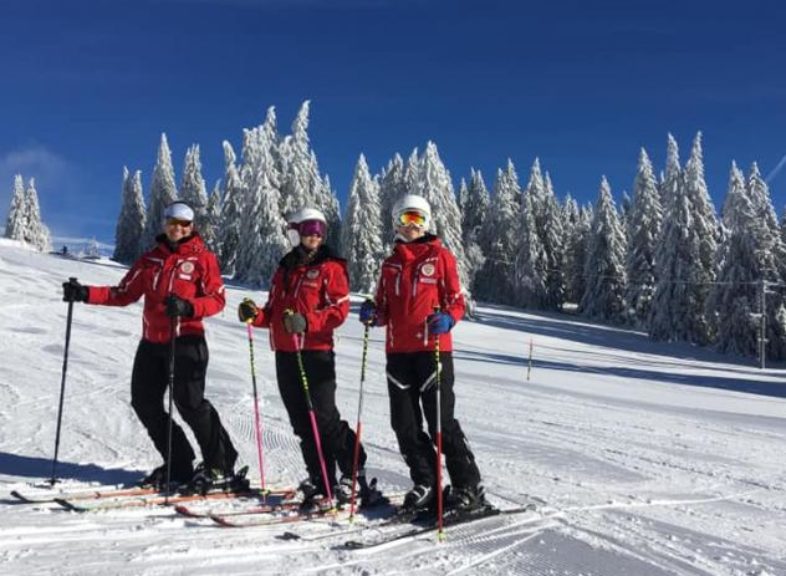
(428, 269)
(312, 274)
(187, 267)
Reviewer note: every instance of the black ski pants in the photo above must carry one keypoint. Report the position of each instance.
(336, 437)
(413, 395)
(149, 382)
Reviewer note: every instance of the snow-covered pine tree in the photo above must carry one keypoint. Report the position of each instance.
(678, 304)
(232, 209)
(209, 230)
(529, 272)
(473, 211)
(771, 260)
(499, 240)
(643, 231)
(302, 185)
(262, 230)
(705, 227)
(734, 299)
(572, 265)
(361, 241)
(131, 221)
(36, 233)
(671, 180)
(552, 237)
(162, 193)
(16, 224)
(392, 186)
(604, 269)
(436, 187)
(192, 187)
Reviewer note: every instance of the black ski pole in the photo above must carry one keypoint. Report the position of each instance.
(174, 328)
(62, 385)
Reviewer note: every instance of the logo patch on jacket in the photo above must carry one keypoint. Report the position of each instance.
(428, 269)
(312, 274)
(187, 267)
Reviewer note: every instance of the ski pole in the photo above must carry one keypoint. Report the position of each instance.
(311, 414)
(174, 328)
(358, 429)
(53, 480)
(438, 365)
(257, 419)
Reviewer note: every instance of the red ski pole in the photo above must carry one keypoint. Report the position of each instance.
(257, 417)
(438, 366)
(312, 416)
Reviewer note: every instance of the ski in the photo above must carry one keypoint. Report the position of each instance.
(431, 526)
(271, 502)
(87, 494)
(288, 516)
(154, 498)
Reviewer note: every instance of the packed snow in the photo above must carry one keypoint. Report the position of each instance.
(647, 458)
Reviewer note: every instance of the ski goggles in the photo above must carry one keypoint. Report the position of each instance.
(412, 218)
(178, 222)
(312, 228)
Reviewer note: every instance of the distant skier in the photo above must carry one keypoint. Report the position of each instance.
(179, 278)
(417, 279)
(308, 299)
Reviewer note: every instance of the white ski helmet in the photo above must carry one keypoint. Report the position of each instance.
(302, 215)
(411, 202)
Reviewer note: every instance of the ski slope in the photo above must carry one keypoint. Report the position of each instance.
(652, 459)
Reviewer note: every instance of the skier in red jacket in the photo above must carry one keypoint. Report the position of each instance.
(179, 278)
(308, 299)
(419, 299)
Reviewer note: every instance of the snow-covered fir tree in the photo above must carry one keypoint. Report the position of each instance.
(573, 264)
(131, 221)
(474, 206)
(678, 304)
(552, 237)
(645, 219)
(436, 186)
(529, 273)
(671, 181)
(392, 186)
(499, 240)
(16, 223)
(192, 187)
(209, 230)
(36, 233)
(262, 229)
(604, 296)
(706, 229)
(302, 185)
(735, 298)
(361, 240)
(162, 193)
(232, 209)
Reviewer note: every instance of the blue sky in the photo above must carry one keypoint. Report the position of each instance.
(89, 85)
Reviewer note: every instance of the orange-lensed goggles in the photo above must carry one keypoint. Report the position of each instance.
(412, 218)
(178, 222)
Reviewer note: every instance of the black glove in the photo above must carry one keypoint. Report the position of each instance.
(247, 310)
(295, 323)
(177, 307)
(73, 291)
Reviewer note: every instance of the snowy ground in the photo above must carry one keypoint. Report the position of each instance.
(652, 459)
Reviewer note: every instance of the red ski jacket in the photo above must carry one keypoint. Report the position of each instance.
(416, 278)
(190, 271)
(318, 289)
